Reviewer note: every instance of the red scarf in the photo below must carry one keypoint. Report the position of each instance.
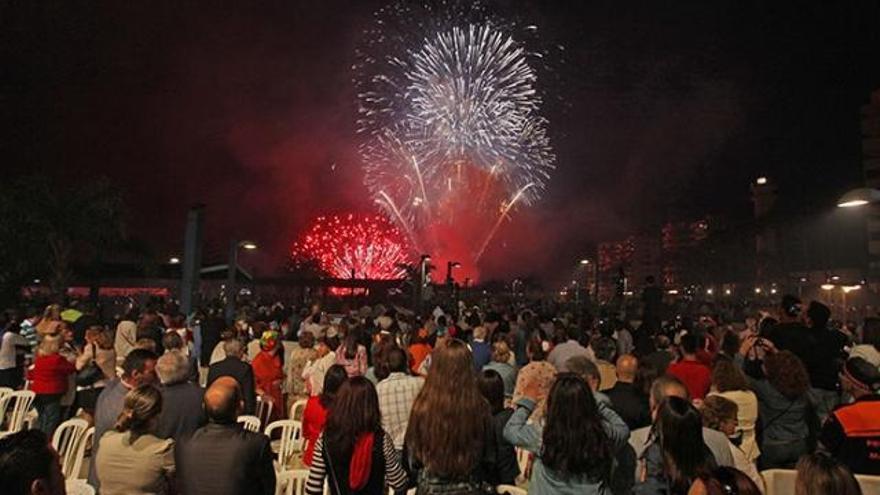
(361, 461)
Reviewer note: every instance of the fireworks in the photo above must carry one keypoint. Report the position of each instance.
(352, 246)
(452, 135)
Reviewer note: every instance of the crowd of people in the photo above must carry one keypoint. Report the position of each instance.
(451, 401)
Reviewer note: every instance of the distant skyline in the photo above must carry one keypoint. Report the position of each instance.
(659, 112)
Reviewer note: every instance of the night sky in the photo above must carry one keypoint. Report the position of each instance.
(661, 110)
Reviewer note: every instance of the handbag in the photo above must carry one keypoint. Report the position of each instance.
(91, 373)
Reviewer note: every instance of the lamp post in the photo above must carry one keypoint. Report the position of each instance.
(859, 197)
(424, 260)
(449, 266)
(234, 247)
(586, 262)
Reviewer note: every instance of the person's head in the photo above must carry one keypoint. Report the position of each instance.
(172, 367)
(666, 386)
(604, 348)
(29, 465)
(52, 312)
(730, 343)
(480, 333)
(492, 387)
(307, 340)
(333, 380)
(140, 411)
(725, 480)
(585, 368)
(726, 376)
(50, 344)
(233, 348)
(171, 341)
(146, 344)
(786, 372)
(574, 439)
(396, 360)
(689, 344)
(139, 367)
(820, 473)
(627, 366)
(269, 341)
(720, 414)
(535, 349)
(449, 416)
(223, 400)
(859, 377)
(355, 412)
(679, 429)
(818, 315)
(791, 308)
(500, 352)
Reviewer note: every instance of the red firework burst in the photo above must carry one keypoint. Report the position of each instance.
(353, 246)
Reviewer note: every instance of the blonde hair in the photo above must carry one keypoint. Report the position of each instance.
(141, 406)
(50, 344)
(500, 352)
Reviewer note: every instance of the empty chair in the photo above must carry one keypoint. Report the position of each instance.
(85, 442)
(264, 409)
(296, 410)
(79, 487)
(15, 407)
(250, 423)
(290, 440)
(66, 442)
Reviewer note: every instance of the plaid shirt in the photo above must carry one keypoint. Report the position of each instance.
(396, 396)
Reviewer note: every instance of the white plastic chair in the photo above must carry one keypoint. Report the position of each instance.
(250, 423)
(15, 407)
(264, 410)
(290, 441)
(66, 442)
(510, 490)
(79, 487)
(291, 482)
(297, 410)
(411, 491)
(85, 442)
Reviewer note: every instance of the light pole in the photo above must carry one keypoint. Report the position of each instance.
(234, 246)
(587, 262)
(420, 284)
(449, 266)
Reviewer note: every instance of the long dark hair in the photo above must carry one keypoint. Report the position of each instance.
(351, 345)
(574, 441)
(679, 428)
(333, 380)
(492, 387)
(355, 411)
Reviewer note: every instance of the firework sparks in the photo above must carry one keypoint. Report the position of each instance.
(353, 246)
(449, 115)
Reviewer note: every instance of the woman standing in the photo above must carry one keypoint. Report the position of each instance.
(354, 452)
(449, 436)
(99, 350)
(317, 408)
(49, 381)
(575, 449)
(492, 387)
(352, 355)
(500, 363)
(269, 372)
(729, 382)
(131, 460)
(301, 355)
(538, 373)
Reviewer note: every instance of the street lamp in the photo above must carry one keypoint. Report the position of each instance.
(449, 266)
(174, 260)
(761, 181)
(859, 197)
(586, 262)
(234, 247)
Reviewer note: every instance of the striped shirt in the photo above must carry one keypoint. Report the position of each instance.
(395, 476)
(396, 394)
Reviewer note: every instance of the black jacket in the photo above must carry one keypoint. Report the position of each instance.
(225, 459)
(182, 411)
(243, 374)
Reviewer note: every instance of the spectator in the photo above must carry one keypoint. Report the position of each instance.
(138, 369)
(694, 374)
(725, 480)
(782, 386)
(313, 373)
(234, 366)
(301, 355)
(605, 348)
(173, 342)
(824, 359)
(728, 381)
(222, 458)
(98, 350)
(317, 408)
(449, 436)
(268, 368)
(662, 356)
(419, 349)
(352, 355)
(720, 414)
(563, 351)
(869, 349)
(397, 393)
(354, 452)
(28, 330)
(49, 381)
(131, 459)
(585, 368)
(126, 338)
(627, 399)
(820, 473)
(852, 432)
(679, 456)
(492, 387)
(789, 334)
(29, 465)
(538, 372)
(500, 363)
(13, 346)
(574, 451)
(481, 349)
(182, 413)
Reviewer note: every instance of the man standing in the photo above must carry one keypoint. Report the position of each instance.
(139, 368)
(693, 373)
(560, 354)
(629, 402)
(222, 458)
(242, 372)
(397, 393)
(182, 411)
(852, 432)
(823, 359)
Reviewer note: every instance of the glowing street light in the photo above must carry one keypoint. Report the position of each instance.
(174, 260)
(859, 197)
(761, 181)
(585, 262)
(827, 286)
